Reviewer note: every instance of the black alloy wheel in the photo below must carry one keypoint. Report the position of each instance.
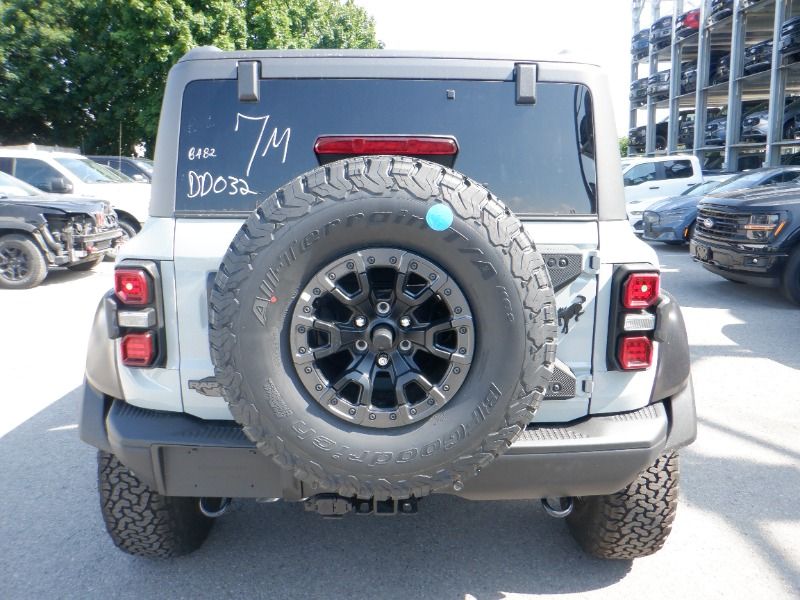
(382, 337)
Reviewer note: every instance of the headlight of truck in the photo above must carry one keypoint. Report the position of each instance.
(762, 225)
(651, 217)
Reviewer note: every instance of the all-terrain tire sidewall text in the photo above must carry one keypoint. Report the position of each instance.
(382, 202)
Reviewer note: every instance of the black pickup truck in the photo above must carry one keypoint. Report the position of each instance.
(752, 237)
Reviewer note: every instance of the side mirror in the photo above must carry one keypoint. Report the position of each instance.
(139, 177)
(59, 185)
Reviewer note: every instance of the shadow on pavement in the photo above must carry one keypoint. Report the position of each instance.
(748, 495)
(53, 542)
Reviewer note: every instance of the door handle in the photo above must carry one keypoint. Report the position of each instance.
(655, 187)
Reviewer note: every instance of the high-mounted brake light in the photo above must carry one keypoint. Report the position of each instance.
(635, 352)
(640, 290)
(347, 145)
(138, 349)
(132, 286)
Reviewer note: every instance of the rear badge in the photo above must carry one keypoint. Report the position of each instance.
(439, 217)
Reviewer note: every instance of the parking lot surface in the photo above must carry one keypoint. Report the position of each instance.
(737, 533)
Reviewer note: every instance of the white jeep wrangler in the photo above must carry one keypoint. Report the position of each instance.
(337, 301)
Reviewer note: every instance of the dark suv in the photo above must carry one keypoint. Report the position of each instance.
(752, 237)
(327, 306)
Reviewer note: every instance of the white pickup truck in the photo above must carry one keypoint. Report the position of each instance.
(649, 179)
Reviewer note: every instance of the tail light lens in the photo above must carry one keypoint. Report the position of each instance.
(640, 290)
(132, 286)
(635, 352)
(386, 144)
(138, 349)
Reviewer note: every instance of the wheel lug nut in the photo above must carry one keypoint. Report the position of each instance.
(361, 345)
(361, 321)
(405, 322)
(383, 308)
(383, 360)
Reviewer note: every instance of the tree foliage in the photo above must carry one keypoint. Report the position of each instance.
(89, 72)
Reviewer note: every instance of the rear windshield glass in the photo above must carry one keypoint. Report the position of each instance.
(538, 159)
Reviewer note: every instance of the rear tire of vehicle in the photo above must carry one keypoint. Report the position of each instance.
(143, 522)
(791, 277)
(88, 265)
(128, 231)
(633, 522)
(661, 143)
(23, 251)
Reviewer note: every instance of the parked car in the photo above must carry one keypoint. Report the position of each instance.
(638, 94)
(689, 73)
(686, 127)
(69, 173)
(357, 327)
(790, 37)
(687, 24)
(757, 57)
(716, 129)
(138, 169)
(661, 33)
(755, 124)
(719, 10)
(723, 71)
(672, 220)
(647, 180)
(658, 86)
(752, 236)
(637, 137)
(39, 231)
(640, 44)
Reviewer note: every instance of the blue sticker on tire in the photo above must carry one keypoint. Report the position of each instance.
(439, 217)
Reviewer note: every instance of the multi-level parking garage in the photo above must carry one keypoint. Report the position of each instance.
(736, 100)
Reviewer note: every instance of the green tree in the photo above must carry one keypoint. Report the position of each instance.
(89, 72)
(623, 146)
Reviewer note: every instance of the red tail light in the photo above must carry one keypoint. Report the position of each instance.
(138, 349)
(640, 290)
(635, 352)
(132, 286)
(386, 144)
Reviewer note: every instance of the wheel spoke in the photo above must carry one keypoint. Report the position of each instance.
(405, 364)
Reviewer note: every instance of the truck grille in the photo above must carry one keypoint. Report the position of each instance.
(720, 223)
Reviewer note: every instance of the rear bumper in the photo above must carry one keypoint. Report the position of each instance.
(180, 455)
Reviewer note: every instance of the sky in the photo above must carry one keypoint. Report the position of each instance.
(596, 30)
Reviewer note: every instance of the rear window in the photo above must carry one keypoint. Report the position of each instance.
(538, 159)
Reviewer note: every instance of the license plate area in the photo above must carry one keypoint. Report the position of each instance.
(702, 252)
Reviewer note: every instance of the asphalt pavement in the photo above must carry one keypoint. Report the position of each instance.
(737, 533)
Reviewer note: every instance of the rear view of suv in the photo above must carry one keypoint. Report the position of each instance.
(329, 306)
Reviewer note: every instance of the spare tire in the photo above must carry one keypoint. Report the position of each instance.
(383, 327)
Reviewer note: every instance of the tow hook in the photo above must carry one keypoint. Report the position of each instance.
(565, 507)
(222, 506)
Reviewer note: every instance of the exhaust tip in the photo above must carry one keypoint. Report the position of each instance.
(565, 506)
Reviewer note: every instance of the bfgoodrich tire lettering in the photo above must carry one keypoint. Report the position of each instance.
(382, 202)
